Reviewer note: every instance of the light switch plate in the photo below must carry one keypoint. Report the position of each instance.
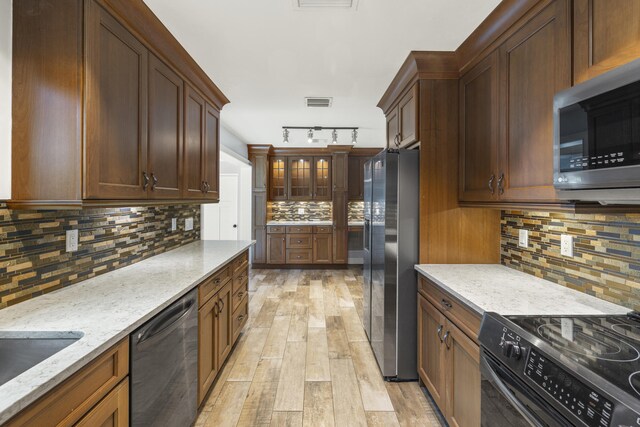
(566, 245)
(174, 224)
(300, 211)
(72, 240)
(523, 238)
(188, 224)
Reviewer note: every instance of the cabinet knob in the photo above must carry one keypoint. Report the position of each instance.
(492, 178)
(145, 180)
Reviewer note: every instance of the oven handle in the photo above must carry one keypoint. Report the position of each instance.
(486, 369)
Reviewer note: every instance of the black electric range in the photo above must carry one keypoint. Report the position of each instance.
(560, 371)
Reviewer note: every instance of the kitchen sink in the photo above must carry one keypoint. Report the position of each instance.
(20, 351)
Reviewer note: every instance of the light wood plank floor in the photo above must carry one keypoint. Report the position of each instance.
(303, 360)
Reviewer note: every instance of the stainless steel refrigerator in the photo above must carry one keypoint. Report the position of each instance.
(391, 224)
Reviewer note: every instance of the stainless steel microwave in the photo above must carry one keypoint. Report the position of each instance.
(597, 138)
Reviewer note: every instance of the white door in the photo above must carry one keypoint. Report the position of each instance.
(228, 207)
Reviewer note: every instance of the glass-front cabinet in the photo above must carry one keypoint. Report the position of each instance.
(300, 178)
(322, 178)
(278, 178)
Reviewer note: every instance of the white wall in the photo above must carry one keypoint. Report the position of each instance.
(231, 142)
(5, 99)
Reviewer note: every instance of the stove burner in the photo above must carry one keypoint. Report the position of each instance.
(599, 344)
(634, 381)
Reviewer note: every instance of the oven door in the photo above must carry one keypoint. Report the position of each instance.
(508, 402)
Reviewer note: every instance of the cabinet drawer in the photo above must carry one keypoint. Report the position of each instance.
(322, 229)
(210, 286)
(240, 279)
(299, 256)
(112, 410)
(293, 229)
(70, 401)
(240, 316)
(463, 317)
(240, 262)
(299, 241)
(275, 229)
(239, 294)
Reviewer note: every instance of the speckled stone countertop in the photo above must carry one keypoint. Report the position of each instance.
(105, 309)
(299, 222)
(500, 289)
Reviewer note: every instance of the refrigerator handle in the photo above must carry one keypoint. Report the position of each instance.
(367, 231)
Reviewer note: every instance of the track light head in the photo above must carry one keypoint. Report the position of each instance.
(354, 136)
(310, 136)
(334, 137)
(285, 136)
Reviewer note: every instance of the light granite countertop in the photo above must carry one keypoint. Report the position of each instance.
(500, 289)
(300, 222)
(356, 223)
(106, 309)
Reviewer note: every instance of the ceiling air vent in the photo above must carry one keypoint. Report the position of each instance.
(318, 102)
(304, 4)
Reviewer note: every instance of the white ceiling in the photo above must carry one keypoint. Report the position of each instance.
(266, 57)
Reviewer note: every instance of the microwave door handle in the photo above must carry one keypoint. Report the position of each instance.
(496, 381)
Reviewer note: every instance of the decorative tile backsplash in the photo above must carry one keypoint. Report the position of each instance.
(289, 211)
(356, 211)
(33, 260)
(606, 261)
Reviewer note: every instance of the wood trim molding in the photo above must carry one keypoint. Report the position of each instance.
(146, 26)
(419, 65)
(258, 149)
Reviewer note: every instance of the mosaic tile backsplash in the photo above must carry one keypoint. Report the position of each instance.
(33, 260)
(606, 261)
(288, 211)
(356, 211)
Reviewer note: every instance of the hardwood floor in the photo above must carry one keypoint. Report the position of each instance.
(303, 360)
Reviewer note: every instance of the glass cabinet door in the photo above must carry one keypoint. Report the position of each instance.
(278, 177)
(300, 187)
(322, 178)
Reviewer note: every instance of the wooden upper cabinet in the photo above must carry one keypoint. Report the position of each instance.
(606, 34)
(278, 178)
(479, 131)
(194, 142)
(535, 63)
(211, 153)
(408, 117)
(322, 178)
(356, 177)
(300, 178)
(393, 128)
(116, 110)
(166, 98)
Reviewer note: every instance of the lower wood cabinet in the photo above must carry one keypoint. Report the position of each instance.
(300, 244)
(276, 248)
(222, 315)
(322, 248)
(448, 358)
(96, 395)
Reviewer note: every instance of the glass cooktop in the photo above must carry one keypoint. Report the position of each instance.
(608, 346)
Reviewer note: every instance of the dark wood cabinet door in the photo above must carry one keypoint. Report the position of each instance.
(408, 117)
(300, 178)
(207, 347)
(223, 324)
(606, 34)
(463, 379)
(393, 129)
(534, 65)
(431, 351)
(116, 110)
(322, 178)
(166, 99)
(340, 172)
(340, 228)
(259, 250)
(276, 248)
(356, 178)
(194, 140)
(211, 153)
(479, 131)
(278, 178)
(322, 249)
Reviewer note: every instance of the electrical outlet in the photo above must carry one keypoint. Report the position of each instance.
(188, 224)
(174, 224)
(300, 211)
(566, 245)
(72, 240)
(523, 238)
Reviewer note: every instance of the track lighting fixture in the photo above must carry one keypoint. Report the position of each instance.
(312, 129)
(354, 136)
(310, 136)
(285, 136)
(334, 137)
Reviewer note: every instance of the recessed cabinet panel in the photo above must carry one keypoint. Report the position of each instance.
(211, 154)
(278, 178)
(408, 115)
(300, 178)
(322, 178)
(165, 130)
(116, 115)
(193, 144)
(431, 352)
(393, 129)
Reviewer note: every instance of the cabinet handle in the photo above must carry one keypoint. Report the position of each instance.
(446, 304)
(491, 180)
(217, 281)
(241, 318)
(240, 295)
(500, 186)
(207, 187)
(155, 182)
(299, 241)
(396, 141)
(145, 180)
(444, 339)
(221, 308)
(439, 333)
(216, 309)
(203, 188)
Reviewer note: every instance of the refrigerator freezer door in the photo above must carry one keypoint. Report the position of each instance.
(366, 273)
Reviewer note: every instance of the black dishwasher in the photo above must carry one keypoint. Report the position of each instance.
(164, 367)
